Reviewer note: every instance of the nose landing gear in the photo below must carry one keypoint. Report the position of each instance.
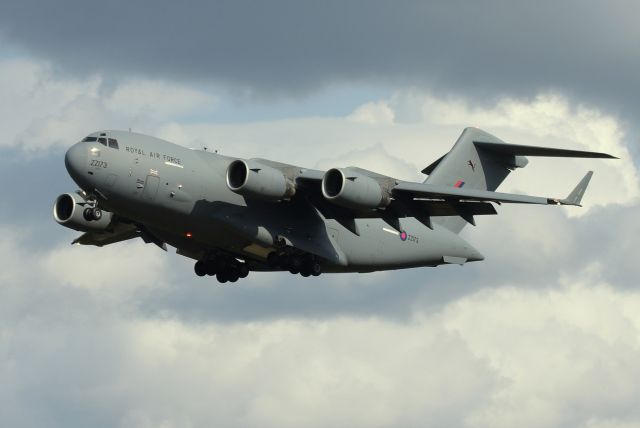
(92, 214)
(91, 211)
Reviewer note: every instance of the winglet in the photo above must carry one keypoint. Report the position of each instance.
(576, 195)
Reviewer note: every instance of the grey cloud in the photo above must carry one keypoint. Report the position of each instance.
(588, 49)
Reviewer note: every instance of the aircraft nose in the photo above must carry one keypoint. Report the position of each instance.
(75, 160)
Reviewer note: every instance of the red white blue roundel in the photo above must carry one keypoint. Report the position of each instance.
(403, 235)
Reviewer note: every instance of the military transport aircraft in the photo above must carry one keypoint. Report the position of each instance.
(235, 215)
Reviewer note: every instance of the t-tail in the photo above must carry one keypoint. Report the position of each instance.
(481, 161)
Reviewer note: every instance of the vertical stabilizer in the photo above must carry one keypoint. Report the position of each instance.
(478, 160)
(471, 167)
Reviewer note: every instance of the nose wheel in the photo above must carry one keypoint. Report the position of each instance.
(92, 214)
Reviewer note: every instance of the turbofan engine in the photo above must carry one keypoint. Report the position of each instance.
(353, 190)
(69, 211)
(255, 180)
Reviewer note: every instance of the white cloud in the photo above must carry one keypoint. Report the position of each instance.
(501, 357)
(568, 353)
(40, 109)
(157, 99)
(112, 270)
(562, 354)
(374, 158)
(373, 113)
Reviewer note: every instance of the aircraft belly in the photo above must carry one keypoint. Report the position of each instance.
(380, 247)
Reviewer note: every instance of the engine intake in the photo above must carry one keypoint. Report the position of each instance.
(68, 211)
(353, 190)
(255, 180)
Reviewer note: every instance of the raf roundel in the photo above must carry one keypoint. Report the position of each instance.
(403, 235)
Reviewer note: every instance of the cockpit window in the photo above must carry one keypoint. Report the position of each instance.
(109, 142)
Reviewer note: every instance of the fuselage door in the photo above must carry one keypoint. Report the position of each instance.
(150, 188)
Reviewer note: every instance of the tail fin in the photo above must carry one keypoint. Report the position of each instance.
(478, 160)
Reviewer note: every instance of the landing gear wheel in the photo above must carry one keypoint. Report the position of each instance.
(87, 214)
(96, 213)
(200, 268)
(305, 273)
(221, 277)
(210, 267)
(282, 261)
(295, 263)
(316, 269)
(233, 275)
(243, 270)
(294, 271)
(273, 260)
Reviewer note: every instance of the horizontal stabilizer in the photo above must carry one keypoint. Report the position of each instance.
(519, 150)
(576, 195)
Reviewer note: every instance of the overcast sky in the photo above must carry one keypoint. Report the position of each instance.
(544, 333)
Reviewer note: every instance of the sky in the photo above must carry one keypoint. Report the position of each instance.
(545, 332)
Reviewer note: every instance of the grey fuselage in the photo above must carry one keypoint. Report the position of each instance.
(182, 197)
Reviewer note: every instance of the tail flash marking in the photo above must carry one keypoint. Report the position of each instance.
(459, 184)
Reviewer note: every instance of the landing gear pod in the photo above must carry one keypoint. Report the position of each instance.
(73, 211)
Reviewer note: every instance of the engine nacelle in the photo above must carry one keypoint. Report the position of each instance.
(68, 211)
(255, 180)
(353, 190)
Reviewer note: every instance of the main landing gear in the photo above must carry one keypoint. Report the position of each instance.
(226, 269)
(303, 264)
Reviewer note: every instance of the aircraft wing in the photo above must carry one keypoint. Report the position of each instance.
(403, 205)
(422, 201)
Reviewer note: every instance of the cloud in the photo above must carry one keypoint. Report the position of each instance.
(586, 50)
(542, 333)
(563, 378)
(158, 99)
(373, 113)
(42, 109)
(92, 268)
(564, 354)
